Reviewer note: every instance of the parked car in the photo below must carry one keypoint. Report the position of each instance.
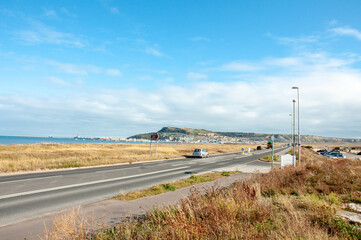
(322, 151)
(199, 152)
(335, 155)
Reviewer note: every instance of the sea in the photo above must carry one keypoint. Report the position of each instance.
(8, 140)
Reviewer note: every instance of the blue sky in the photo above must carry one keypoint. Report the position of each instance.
(118, 68)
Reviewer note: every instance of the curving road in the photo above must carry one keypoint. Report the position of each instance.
(30, 195)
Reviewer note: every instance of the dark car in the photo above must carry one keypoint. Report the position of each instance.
(259, 147)
(322, 151)
(335, 154)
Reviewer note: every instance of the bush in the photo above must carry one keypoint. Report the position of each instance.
(168, 187)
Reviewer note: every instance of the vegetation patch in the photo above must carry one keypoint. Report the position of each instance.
(167, 187)
(268, 158)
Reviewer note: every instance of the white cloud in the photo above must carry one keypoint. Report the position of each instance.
(67, 12)
(196, 76)
(297, 40)
(154, 52)
(69, 68)
(239, 67)
(145, 78)
(283, 62)
(346, 31)
(77, 69)
(114, 72)
(42, 34)
(50, 13)
(333, 22)
(329, 100)
(114, 10)
(58, 81)
(197, 39)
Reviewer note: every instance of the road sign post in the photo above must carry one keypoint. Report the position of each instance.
(154, 137)
(272, 138)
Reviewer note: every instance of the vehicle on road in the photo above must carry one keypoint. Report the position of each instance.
(199, 152)
(259, 147)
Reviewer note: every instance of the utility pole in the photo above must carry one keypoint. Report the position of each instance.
(293, 134)
(273, 143)
(298, 122)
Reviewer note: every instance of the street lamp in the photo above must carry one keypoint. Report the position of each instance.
(298, 115)
(291, 140)
(293, 134)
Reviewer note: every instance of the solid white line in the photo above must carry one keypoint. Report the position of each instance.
(84, 184)
(117, 170)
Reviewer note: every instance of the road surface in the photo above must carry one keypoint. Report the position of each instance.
(27, 196)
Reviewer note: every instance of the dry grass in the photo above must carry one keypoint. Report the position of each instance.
(294, 203)
(55, 156)
(331, 145)
(71, 224)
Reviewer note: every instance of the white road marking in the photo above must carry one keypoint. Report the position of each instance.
(116, 170)
(84, 184)
(179, 164)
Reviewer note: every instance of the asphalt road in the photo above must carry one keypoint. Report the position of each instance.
(27, 196)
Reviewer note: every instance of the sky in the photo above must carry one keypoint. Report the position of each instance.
(103, 68)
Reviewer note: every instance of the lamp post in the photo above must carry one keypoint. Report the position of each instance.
(293, 134)
(291, 129)
(298, 116)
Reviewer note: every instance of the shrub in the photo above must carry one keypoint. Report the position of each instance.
(168, 187)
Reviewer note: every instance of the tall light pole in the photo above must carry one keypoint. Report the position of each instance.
(291, 129)
(298, 116)
(293, 133)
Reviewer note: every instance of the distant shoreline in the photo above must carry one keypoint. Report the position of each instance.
(10, 140)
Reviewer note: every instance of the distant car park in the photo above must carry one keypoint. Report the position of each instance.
(199, 152)
(331, 154)
(322, 151)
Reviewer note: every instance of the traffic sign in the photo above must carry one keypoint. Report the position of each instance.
(154, 136)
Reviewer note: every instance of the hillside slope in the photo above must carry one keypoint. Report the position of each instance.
(190, 134)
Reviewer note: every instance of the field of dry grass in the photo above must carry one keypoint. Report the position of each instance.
(294, 203)
(333, 145)
(56, 156)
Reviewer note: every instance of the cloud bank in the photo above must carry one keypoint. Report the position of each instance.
(330, 101)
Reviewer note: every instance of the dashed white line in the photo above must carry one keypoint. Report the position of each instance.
(84, 184)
